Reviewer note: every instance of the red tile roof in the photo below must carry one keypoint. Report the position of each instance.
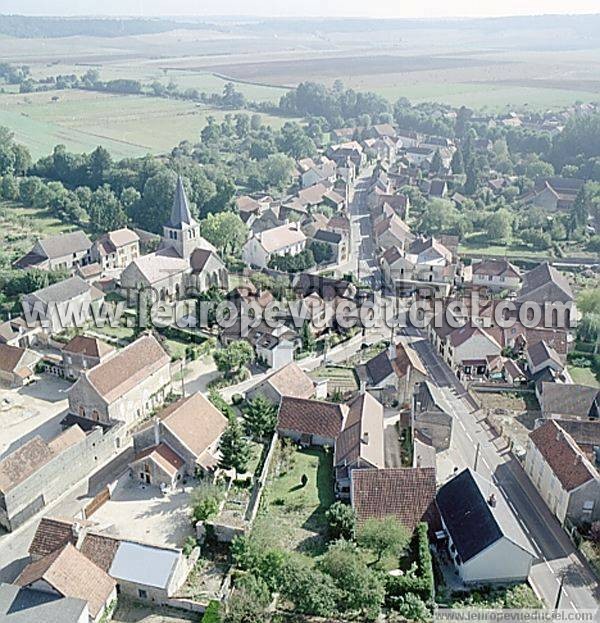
(311, 417)
(50, 535)
(562, 454)
(407, 493)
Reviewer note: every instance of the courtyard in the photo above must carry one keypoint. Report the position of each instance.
(142, 513)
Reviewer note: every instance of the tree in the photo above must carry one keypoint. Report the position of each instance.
(310, 590)
(384, 537)
(436, 162)
(362, 589)
(10, 187)
(588, 301)
(457, 164)
(205, 500)
(539, 168)
(295, 142)
(499, 225)
(260, 417)
(100, 163)
(341, 521)
(248, 602)
(234, 448)
(278, 170)
(308, 339)
(232, 359)
(106, 212)
(322, 251)
(226, 231)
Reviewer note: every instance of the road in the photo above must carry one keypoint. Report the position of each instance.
(475, 445)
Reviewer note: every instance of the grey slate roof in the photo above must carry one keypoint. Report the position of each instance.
(144, 564)
(568, 399)
(24, 605)
(379, 367)
(180, 211)
(540, 352)
(545, 284)
(65, 244)
(331, 237)
(62, 290)
(472, 522)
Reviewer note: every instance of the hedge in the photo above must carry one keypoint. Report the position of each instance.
(422, 581)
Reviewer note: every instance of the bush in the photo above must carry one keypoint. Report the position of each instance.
(340, 520)
(237, 399)
(206, 498)
(189, 546)
(211, 614)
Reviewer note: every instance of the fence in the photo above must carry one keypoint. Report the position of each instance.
(101, 499)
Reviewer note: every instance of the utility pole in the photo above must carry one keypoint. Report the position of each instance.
(477, 455)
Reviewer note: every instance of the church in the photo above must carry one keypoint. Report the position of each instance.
(184, 264)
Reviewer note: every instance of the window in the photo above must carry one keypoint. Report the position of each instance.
(142, 594)
(588, 506)
(467, 369)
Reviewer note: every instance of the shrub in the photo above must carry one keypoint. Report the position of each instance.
(206, 498)
(189, 546)
(340, 520)
(211, 614)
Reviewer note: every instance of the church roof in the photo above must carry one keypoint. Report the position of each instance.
(180, 212)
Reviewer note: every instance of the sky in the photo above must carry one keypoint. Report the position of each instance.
(302, 8)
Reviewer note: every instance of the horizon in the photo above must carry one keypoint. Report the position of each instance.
(311, 9)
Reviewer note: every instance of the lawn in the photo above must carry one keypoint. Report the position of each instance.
(299, 510)
(20, 227)
(583, 376)
(127, 125)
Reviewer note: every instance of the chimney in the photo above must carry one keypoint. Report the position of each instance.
(578, 459)
(156, 431)
(492, 500)
(365, 438)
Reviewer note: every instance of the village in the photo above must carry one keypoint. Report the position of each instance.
(187, 466)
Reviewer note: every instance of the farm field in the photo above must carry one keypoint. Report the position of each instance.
(127, 125)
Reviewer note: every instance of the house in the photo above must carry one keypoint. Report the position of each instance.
(484, 539)
(290, 380)
(142, 571)
(348, 155)
(556, 193)
(432, 416)
(68, 573)
(418, 155)
(319, 171)
(513, 372)
(496, 275)
(438, 188)
(26, 605)
(381, 148)
(39, 471)
(360, 444)
(340, 249)
(468, 350)
(249, 208)
(125, 387)
(398, 202)
(569, 400)
(19, 332)
(392, 231)
(182, 441)
(563, 474)
(116, 249)
(540, 356)
(60, 252)
(17, 365)
(406, 493)
(184, 264)
(63, 305)
(310, 422)
(286, 239)
(83, 352)
(544, 284)
(391, 376)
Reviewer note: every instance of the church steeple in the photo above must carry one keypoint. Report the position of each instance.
(181, 215)
(181, 232)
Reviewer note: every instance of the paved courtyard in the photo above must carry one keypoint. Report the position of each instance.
(36, 409)
(142, 513)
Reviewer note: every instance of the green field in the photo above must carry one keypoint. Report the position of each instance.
(20, 227)
(127, 125)
(583, 376)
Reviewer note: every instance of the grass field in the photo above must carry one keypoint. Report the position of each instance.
(583, 376)
(127, 125)
(299, 510)
(20, 227)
